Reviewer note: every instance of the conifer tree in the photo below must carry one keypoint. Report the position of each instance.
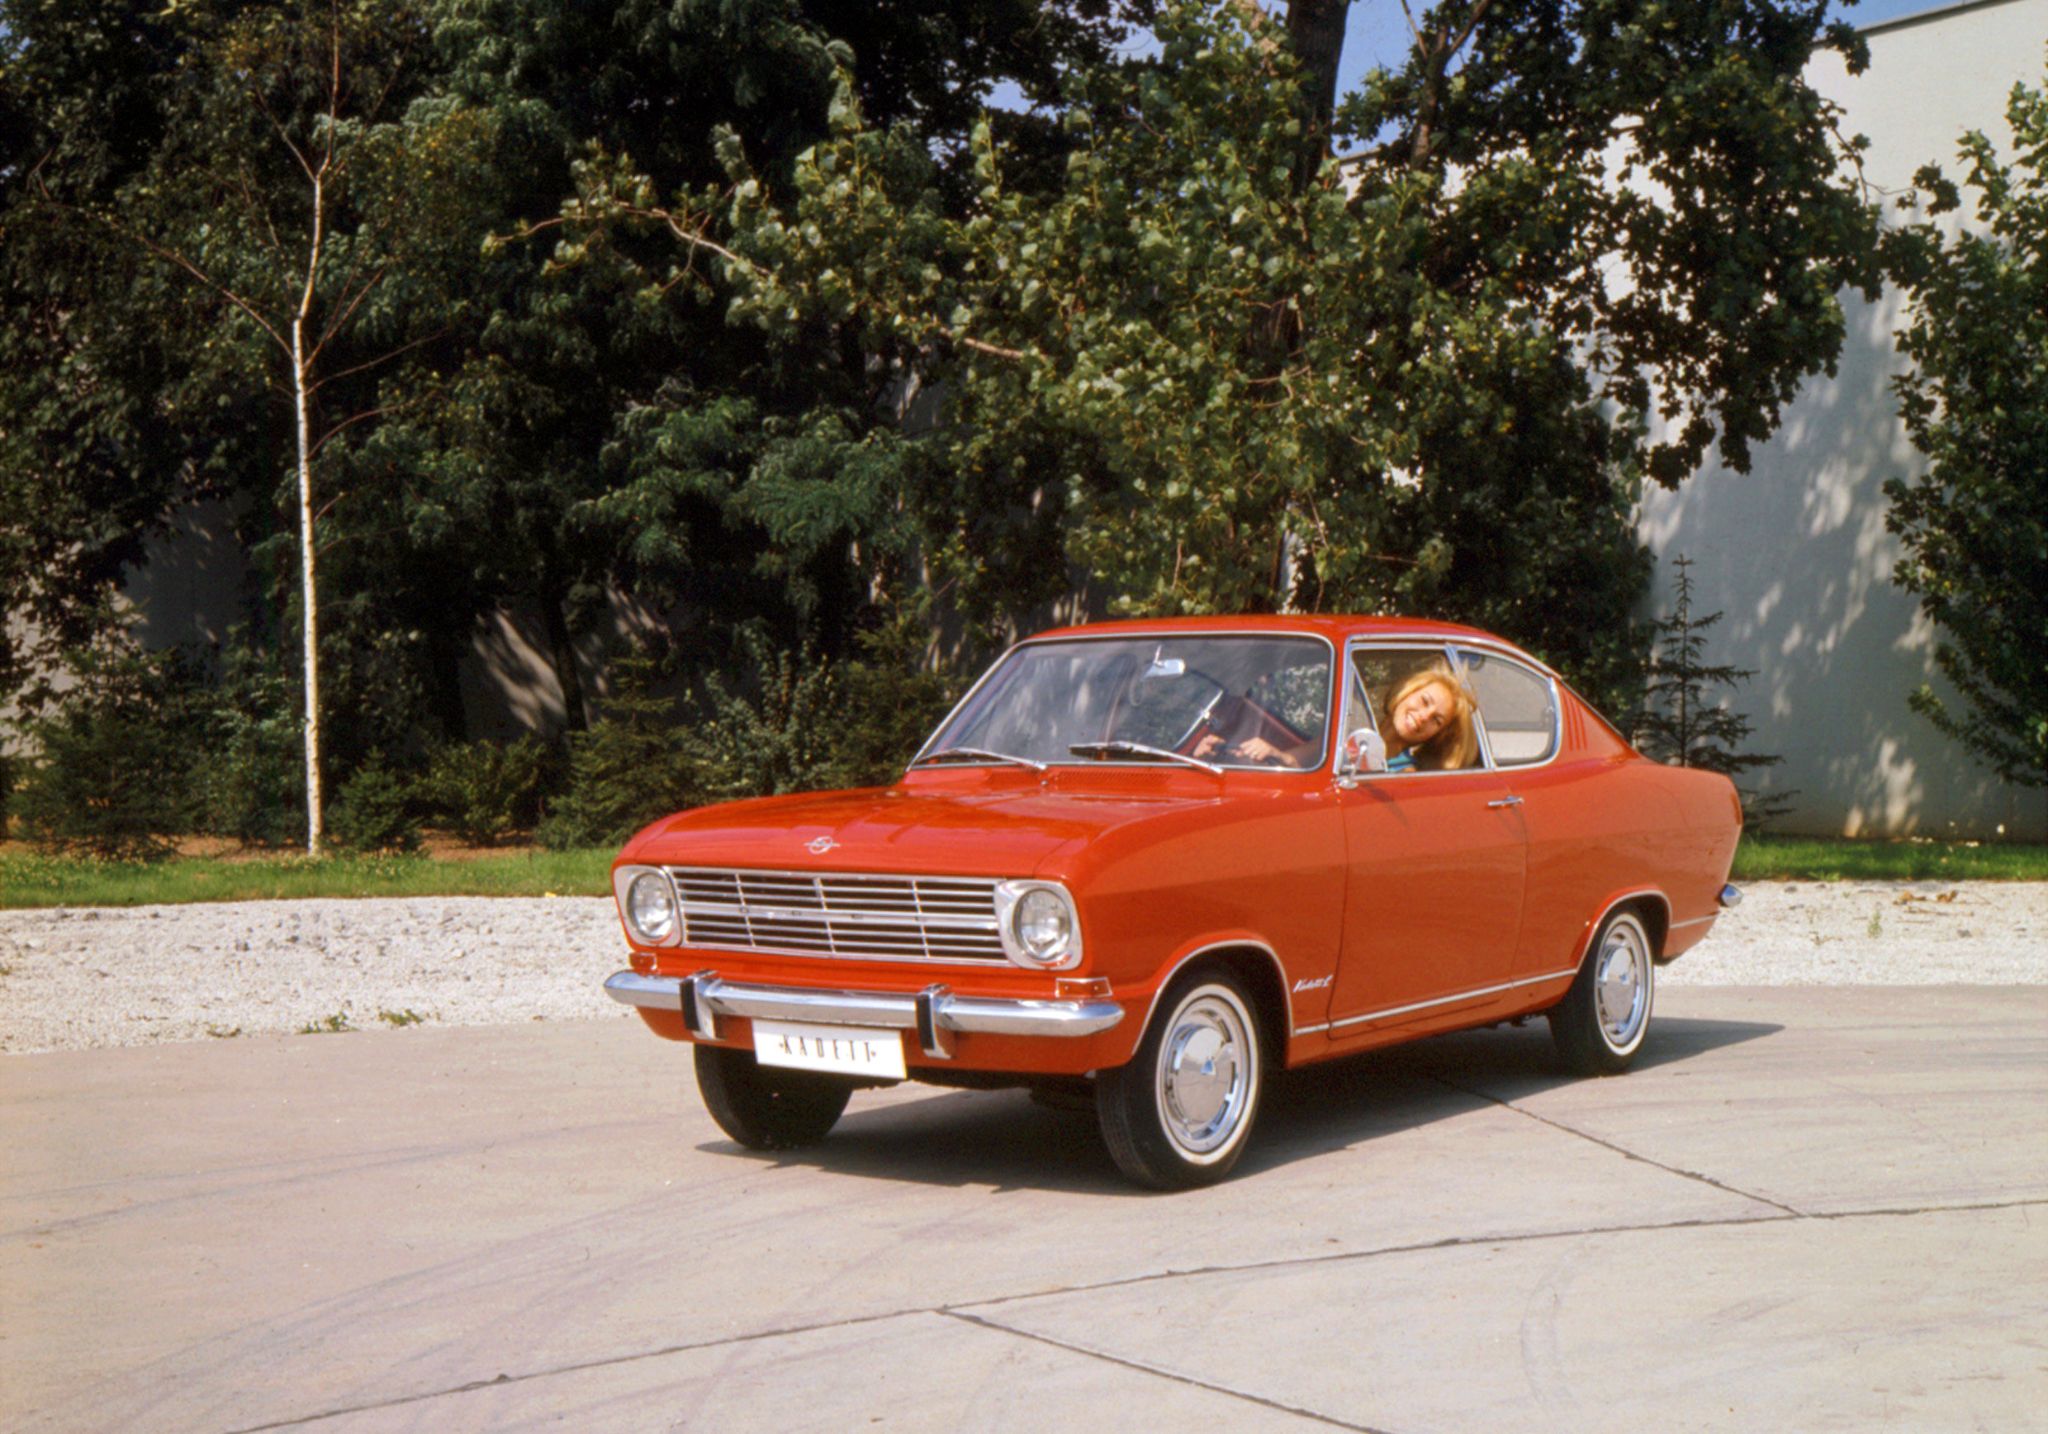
(1681, 724)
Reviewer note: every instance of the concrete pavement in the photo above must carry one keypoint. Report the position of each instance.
(1807, 1208)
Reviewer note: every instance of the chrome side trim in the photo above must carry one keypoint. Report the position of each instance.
(1311, 1030)
(1471, 995)
(888, 1009)
(1696, 921)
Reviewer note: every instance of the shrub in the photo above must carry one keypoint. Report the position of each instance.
(633, 765)
(780, 737)
(890, 701)
(110, 777)
(250, 783)
(375, 811)
(485, 791)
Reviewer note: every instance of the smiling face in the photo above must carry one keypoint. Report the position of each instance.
(1422, 713)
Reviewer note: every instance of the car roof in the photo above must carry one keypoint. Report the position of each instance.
(1334, 627)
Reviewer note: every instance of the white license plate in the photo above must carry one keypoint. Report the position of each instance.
(845, 1050)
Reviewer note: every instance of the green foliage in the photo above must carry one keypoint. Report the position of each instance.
(37, 879)
(891, 698)
(1680, 724)
(779, 737)
(375, 811)
(1407, 382)
(634, 764)
(486, 791)
(249, 778)
(111, 775)
(1975, 526)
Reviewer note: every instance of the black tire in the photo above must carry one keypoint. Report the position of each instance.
(1600, 1024)
(1180, 1114)
(764, 1107)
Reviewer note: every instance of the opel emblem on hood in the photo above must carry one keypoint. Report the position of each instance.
(818, 846)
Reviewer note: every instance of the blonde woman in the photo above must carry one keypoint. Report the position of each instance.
(1428, 723)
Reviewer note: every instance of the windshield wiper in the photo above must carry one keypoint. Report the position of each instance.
(1139, 749)
(975, 754)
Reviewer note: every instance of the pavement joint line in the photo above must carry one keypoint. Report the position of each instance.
(1621, 1150)
(963, 1311)
(1159, 1372)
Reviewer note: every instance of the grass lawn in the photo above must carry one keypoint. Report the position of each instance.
(28, 878)
(1773, 858)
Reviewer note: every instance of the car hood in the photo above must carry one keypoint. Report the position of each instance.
(1009, 832)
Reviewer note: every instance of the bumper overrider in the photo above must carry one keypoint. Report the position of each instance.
(935, 1013)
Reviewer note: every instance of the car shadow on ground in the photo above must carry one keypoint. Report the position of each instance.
(1005, 1140)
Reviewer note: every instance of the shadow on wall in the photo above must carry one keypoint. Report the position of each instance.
(1795, 553)
(189, 586)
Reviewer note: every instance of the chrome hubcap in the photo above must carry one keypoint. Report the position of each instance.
(1204, 1074)
(1622, 985)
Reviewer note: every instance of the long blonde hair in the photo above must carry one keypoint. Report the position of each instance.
(1457, 745)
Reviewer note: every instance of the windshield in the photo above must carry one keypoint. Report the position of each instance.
(1231, 701)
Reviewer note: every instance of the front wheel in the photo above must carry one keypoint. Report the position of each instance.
(1179, 1114)
(766, 1107)
(1600, 1024)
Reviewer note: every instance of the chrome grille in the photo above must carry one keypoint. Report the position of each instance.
(891, 918)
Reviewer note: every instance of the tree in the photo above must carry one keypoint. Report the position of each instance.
(610, 433)
(1680, 724)
(306, 206)
(1418, 377)
(1974, 526)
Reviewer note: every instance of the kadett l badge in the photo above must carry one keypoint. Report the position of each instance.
(1143, 863)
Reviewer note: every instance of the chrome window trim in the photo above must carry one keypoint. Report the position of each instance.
(1550, 682)
(1330, 742)
(1472, 995)
(1451, 646)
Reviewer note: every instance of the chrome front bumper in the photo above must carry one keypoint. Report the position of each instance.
(935, 1013)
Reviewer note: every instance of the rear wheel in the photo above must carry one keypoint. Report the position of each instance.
(766, 1107)
(1179, 1114)
(1600, 1024)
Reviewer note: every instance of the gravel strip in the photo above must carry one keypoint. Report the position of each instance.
(77, 979)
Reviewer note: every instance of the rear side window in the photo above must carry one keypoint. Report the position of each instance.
(1517, 707)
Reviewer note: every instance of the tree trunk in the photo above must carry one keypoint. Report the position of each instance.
(307, 603)
(1315, 33)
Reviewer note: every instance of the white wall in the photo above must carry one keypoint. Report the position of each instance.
(1795, 552)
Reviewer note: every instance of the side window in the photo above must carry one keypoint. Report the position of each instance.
(1417, 702)
(1517, 706)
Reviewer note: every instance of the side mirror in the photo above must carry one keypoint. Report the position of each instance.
(1365, 751)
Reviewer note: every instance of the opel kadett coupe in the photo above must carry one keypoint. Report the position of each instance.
(1144, 863)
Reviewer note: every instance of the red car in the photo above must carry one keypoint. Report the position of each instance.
(1146, 862)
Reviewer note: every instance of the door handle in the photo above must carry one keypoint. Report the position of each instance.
(1505, 802)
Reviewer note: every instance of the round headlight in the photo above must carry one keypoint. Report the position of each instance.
(1043, 925)
(651, 907)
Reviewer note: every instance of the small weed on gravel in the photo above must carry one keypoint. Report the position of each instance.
(224, 1033)
(406, 1017)
(333, 1024)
